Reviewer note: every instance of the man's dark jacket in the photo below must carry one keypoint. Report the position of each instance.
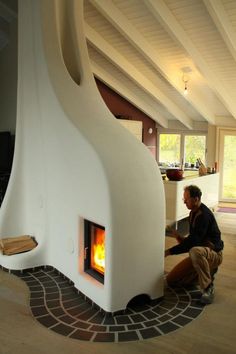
(203, 231)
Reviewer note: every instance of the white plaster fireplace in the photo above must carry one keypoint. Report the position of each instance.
(73, 161)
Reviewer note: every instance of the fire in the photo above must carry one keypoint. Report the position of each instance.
(98, 254)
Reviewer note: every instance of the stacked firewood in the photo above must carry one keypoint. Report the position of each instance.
(14, 245)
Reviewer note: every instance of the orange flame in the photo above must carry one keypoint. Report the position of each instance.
(98, 251)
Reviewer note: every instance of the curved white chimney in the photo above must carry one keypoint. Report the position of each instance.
(73, 161)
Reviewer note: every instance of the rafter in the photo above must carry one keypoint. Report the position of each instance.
(129, 70)
(160, 10)
(121, 23)
(222, 22)
(122, 90)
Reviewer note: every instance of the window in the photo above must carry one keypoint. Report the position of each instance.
(194, 148)
(175, 149)
(169, 149)
(227, 162)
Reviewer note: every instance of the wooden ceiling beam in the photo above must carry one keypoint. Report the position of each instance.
(162, 13)
(222, 22)
(121, 23)
(129, 95)
(136, 76)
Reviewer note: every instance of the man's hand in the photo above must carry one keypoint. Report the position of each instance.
(175, 234)
(167, 253)
(179, 238)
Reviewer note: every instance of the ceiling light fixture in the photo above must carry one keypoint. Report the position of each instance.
(185, 79)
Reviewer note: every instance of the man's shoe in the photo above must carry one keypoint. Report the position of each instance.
(208, 295)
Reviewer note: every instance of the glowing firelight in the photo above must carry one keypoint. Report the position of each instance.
(98, 254)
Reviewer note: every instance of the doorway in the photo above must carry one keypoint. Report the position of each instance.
(227, 163)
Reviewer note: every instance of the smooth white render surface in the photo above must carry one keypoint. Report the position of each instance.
(73, 160)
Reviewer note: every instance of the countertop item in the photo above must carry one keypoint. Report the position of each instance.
(174, 174)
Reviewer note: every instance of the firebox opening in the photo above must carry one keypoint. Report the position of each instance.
(139, 301)
(94, 250)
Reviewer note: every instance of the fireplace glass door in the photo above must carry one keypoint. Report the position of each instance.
(94, 250)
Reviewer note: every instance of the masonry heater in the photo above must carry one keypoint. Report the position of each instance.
(73, 159)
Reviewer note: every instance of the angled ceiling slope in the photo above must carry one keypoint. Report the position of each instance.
(147, 50)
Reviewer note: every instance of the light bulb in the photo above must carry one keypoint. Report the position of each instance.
(185, 90)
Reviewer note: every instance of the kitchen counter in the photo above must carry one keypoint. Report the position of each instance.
(175, 207)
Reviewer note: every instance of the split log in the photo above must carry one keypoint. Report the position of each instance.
(14, 245)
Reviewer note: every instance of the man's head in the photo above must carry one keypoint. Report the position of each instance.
(192, 197)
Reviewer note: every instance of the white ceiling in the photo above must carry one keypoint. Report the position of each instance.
(142, 48)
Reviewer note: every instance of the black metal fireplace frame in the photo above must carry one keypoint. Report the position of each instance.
(87, 251)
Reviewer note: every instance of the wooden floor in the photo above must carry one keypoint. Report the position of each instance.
(212, 332)
(227, 205)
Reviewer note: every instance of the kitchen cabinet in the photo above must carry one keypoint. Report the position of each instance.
(175, 207)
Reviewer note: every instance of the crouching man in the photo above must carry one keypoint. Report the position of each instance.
(203, 244)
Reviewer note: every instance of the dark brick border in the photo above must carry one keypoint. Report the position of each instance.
(60, 307)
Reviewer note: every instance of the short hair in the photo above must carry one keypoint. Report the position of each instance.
(194, 191)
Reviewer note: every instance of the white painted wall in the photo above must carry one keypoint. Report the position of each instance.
(73, 160)
(211, 145)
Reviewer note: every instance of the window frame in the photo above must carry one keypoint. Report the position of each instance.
(182, 134)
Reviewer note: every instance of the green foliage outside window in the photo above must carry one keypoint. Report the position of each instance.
(229, 174)
(170, 149)
(195, 148)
